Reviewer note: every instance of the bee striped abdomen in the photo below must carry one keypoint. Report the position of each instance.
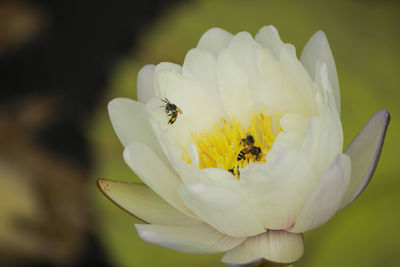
(242, 153)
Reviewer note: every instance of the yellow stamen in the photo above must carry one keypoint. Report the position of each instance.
(219, 146)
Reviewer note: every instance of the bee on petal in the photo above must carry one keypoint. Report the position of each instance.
(242, 153)
(235, 171)
(171, 110)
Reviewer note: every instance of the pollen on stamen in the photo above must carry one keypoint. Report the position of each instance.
(219, 146)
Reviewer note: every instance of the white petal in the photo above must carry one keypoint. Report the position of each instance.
(190, 97)
(214, 40)
(317, 50)
(235, 88)
(323, 139)
(276, 190)
(275, 246)
(131, 124)
(323, 82)
(268, 37)
(159, 83)
(201, 67)
(222, 209)
(140, 201)
(364, 152)
(291, 139)
(298, 76)
(291, 73)
(243, 48)
(145, 83)
(325, 198)
(201, 239)
(294, 122)
(277, 92)
(145, 163)
(130, 121)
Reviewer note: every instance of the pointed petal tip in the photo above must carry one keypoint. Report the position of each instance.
(104, 186)
(101, 184)
(320, 33)
(271, 28)
(98, 183)
(215, 29)
(115, 101)
(370, 142)
(145, 83)
(111, 104)
(386, 113)
(144, 234)
(127, 153)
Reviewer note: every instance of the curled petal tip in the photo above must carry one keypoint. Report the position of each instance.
(365, 151)
(386, 114)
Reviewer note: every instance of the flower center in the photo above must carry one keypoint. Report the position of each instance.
(230, 146)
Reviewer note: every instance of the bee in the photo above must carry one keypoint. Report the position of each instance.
(242, 153)
(235, 170)
(256, 152)
(247, 143)
(171, 110)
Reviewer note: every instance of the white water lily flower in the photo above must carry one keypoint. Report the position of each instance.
(197, 197)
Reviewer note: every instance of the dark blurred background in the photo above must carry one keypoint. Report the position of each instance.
(55, 63)
(62, 61)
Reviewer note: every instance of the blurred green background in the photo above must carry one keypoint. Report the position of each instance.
(365, 39)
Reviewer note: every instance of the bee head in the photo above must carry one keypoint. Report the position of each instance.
(255, 150)
(249, 139)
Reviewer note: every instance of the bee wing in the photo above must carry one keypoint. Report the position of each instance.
(179, 110)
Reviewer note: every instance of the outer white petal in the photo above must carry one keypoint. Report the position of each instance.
(268, 37)
(323, 139)
(131, 124)
(316, 51)
(325, 198)
(140, 201)
(145, 83)
(276, 190)
(145, 163)
(364, 152)
(276, 246)
(214, 40)
(130, 121)
(201, 239)
(222, 209)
